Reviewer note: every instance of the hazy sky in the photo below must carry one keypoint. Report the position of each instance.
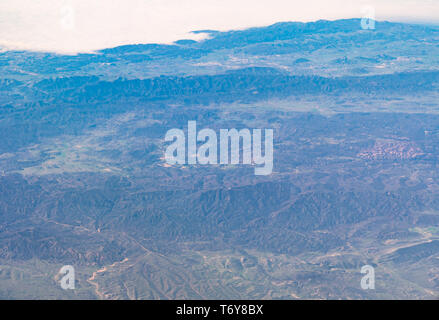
(71, 26)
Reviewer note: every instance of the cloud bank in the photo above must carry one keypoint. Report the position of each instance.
(73, 26)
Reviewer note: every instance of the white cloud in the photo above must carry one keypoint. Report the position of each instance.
(71, 26)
